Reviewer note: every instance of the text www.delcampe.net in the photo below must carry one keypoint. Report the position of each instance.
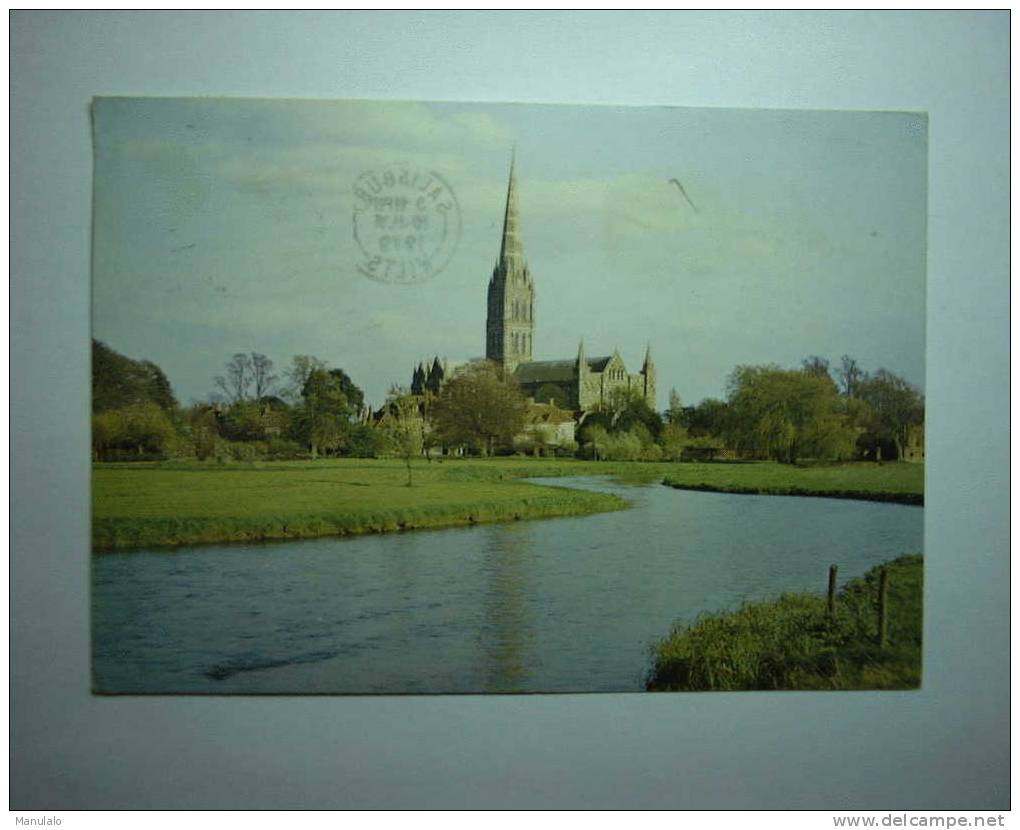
(905, 820)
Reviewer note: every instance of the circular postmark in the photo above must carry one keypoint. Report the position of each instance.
(406, 223)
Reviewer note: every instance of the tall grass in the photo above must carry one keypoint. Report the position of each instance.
(792, 643)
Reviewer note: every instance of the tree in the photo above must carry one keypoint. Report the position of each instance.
(243, 421)
(355, 397)
(262, 375)
(401, 423)
(895, 406)
(786, 415)
(119, 381)
(202, 428)
(673, 440)
(815, 365)
(708, 418)
(238, 378)
(141, 428)
(850, 376)
(365, 441)
(301, 368)
(637, 412)
(478, 408)
(597, 437)
(323, 418)
(621, 445)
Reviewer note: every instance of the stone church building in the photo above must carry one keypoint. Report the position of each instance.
(581, 383)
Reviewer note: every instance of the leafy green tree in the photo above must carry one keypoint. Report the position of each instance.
(201, 428)
(355, 397)
(323, 418)
(326, 403)
(815, 365)
(595, 437)
(243, 421)
(637, 412)
(119, 381)
(107, 432)
(673, 440)
(143, 429)
(894, 407)
(622, 446)
(477, 408)
(786, 415)
(365, 441)
(708, 418)
(401, 423)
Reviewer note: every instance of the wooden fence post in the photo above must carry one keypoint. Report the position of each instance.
(883, 607)
(832, 590)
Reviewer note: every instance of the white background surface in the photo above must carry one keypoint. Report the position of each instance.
(945, 746)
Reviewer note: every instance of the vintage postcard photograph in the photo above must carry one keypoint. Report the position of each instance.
(431, 398)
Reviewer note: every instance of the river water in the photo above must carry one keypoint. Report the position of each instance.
(559, 605)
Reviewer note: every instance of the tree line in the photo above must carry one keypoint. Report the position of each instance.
(814, 411)
(310, 409)
(307, 410)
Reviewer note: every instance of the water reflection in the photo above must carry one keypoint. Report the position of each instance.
(507, 558)
(564, 605)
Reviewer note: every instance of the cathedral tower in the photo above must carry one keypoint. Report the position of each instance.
(510, 323)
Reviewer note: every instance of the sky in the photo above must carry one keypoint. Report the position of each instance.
(227, 225)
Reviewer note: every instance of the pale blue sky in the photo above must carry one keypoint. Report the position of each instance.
(225, 225)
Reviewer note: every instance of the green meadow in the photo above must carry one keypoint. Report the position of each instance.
(184, 503)
(793, 643)
(898, 481)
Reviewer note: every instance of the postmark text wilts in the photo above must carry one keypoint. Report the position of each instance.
(406, 223)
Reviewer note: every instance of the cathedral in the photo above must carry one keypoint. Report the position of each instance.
(581, 383)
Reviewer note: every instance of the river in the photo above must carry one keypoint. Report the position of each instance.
(558, 605)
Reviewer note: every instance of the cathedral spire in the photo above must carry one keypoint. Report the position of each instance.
(510, 324)
(648, 358)
(511, 252)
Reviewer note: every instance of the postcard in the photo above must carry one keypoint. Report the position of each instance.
(434, 398)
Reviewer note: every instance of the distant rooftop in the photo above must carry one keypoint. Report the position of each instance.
(551, 371)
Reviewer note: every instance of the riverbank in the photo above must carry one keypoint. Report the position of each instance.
(792, 643)
(189, 503)
(158, 506)
(896, 482)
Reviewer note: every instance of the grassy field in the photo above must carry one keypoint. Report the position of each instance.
(896, 482)
(791, 643)
(141, 505)
(176, 503)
